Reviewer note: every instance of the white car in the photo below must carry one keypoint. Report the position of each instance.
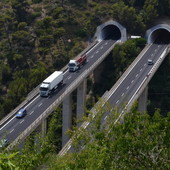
(150, 62)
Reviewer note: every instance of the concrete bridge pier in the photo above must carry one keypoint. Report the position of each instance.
(142, 101)
(81, 98)
(67, 118)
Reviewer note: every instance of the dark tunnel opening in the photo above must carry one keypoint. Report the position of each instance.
(161, 36)
(111, 32)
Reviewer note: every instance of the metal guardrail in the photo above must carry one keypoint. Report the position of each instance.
(71, 88)
(106, 97)
(148, 77)
(109, 93)
(12, 113)
(143, 85)
(115, 86)
(35, 91)
(84, 125)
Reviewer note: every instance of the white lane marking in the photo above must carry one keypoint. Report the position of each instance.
(31, 101)
(105, 118)
(7, 123)
(127, 87)
(122, 94)
(21, 121)
(97, 52)
(69, 77)
(11, 131)
(105, 43)
(129, 101)
(158, 46)
(65, 72)
(132, 81)
(92, 56)
(136, 75)
(93, 47)
(117, 102)
(126, 75)
(140, 69)
(39, 104)
(145, 64)
(32, 112)
(101, 47)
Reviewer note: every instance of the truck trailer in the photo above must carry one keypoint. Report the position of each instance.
(51, 83)
(74, 65)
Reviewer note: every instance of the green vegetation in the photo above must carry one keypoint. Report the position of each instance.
(40, 36)
(159, 91)
(141, 142)
(116, 63)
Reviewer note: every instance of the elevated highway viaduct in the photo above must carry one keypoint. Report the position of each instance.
(38, 108)
(126, 92)
(133, 84)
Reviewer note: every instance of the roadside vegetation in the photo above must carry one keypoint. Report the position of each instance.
(40, 36)
(140, 142)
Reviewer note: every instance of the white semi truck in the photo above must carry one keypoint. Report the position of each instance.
(51, 83)
(74, 65)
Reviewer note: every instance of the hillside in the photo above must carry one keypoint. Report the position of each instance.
(40, 36)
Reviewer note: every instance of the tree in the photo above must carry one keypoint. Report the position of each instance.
(150, 10)
(164, 7)
(7, 161)
(55, 130)
(36, 75)
(141, 142)
(20, 8)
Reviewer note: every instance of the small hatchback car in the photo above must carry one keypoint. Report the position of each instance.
(21, 113)
(150, 62)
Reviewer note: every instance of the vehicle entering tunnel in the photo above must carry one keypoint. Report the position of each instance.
(111, 32)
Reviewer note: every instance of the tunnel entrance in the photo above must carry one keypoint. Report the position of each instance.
(111, 30)
(159, 34)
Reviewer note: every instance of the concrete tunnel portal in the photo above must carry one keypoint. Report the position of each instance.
(111, 30)
(159, 34)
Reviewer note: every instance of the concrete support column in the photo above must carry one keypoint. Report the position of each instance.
(81, 98)
(44, 127)
(67, 118)
(142, 101)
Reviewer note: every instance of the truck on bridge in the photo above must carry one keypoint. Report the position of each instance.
(51, 83)
(74, 65)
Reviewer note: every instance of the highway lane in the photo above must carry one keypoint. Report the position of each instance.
(36, 107)
(123, 93)
(130, 84)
